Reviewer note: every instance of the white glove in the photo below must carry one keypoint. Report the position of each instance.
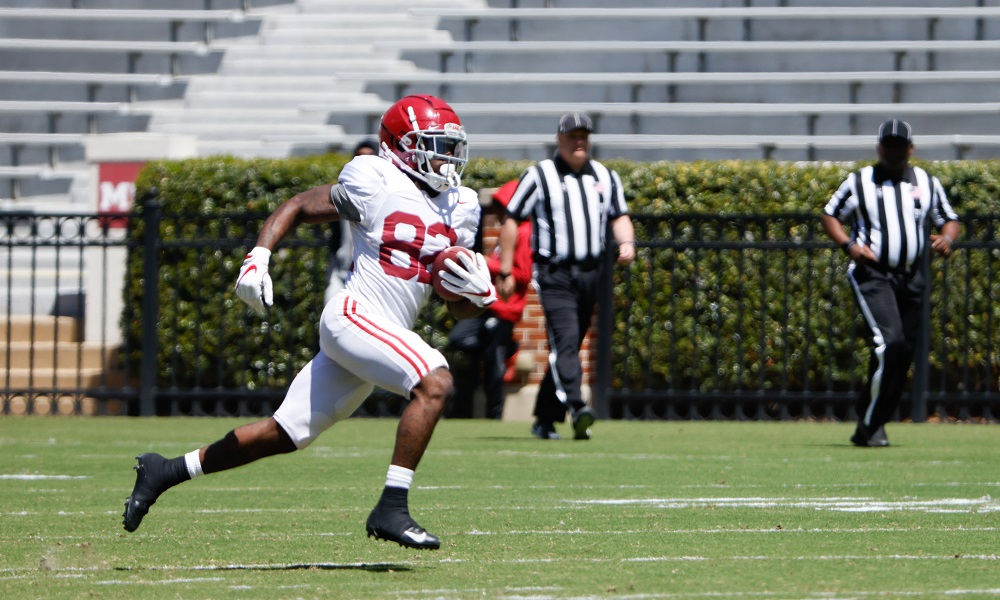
(471, 279)
(254, 283)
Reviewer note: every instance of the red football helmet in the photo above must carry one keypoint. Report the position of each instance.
(421, 128)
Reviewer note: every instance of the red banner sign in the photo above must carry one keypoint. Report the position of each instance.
(116, 190)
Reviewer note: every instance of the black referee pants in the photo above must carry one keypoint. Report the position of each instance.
(891, 304)
(488, 343)
(568, 296)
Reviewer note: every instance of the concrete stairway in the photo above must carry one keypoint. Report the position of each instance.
(250, 106)
(45, 353)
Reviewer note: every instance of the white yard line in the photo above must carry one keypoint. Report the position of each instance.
(161, 582)
(984, 504)
(577, 559)
(37, 477)
(581, 532)
(816, 595)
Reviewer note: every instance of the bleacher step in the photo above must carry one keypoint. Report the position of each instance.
(44, 354)
(251, 84)
(266, 98)
(237, 130)
(42, 378)
(382, 6)
(19, 328)
(318, 68)
(345, 18)
(350, 34)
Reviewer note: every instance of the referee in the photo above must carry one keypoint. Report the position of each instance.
(571, 199)
(888, 205)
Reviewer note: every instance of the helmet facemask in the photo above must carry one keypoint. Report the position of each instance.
(417, 148)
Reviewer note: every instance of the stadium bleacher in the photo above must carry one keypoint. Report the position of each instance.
(82, 69)
(226, 71)
(715, 66)
(788, 80)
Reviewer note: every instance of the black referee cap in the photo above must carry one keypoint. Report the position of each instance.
(575, 121)
(894, 128)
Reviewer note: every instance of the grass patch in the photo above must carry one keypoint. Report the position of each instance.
(644, 510)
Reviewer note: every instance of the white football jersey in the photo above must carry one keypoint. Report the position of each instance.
(401, 229)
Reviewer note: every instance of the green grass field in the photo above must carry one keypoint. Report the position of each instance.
(644, 510)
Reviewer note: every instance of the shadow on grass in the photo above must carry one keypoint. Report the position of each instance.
(511, 438)
(370, 567)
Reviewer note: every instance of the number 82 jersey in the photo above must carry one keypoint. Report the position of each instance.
(397, 231)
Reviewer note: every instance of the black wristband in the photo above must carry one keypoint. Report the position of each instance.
(503, 275)
(846, 246)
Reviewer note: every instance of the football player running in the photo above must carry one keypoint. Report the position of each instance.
(404, 205)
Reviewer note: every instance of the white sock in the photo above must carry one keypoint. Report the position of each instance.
(398, 477)
(193, 462)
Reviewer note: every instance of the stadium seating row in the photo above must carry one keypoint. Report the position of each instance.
(956, 146)
(930, 14)
(654, 90)
(895, 50)
(175, 18)
(634, 110)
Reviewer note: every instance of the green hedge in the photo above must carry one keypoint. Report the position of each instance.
(731, 318)
(676, 311)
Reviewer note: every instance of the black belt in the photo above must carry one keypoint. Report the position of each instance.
(887, 270)
(588, 264)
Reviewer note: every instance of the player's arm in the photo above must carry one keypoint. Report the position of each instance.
(468, 276)
(316, 205)
(311, 206)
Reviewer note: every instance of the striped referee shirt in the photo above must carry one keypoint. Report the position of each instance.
(571, 209)
(889, 216)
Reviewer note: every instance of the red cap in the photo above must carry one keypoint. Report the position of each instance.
(504, 192)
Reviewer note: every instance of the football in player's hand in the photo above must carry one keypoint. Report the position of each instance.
(451, 252)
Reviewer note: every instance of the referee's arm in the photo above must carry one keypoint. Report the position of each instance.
(836, 232)
(624, 233)
(942, 243)
(508, 240)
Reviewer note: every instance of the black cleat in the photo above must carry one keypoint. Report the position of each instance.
(545, 431)
(149, 484)
(396, 525)
(582, 421)
(869, 439)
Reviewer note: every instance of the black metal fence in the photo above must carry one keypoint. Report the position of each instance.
(752, 317)
(59, 281)
(721, 317)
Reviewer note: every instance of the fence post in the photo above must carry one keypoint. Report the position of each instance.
(921, 359)
(150, 303)
(605, 327)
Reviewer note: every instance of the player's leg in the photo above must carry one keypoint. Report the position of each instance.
(398, 360)
(156, 474)
(390, 519)
(244, 445)
(302, 416)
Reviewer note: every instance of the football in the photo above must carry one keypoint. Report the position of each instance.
(451, 252)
